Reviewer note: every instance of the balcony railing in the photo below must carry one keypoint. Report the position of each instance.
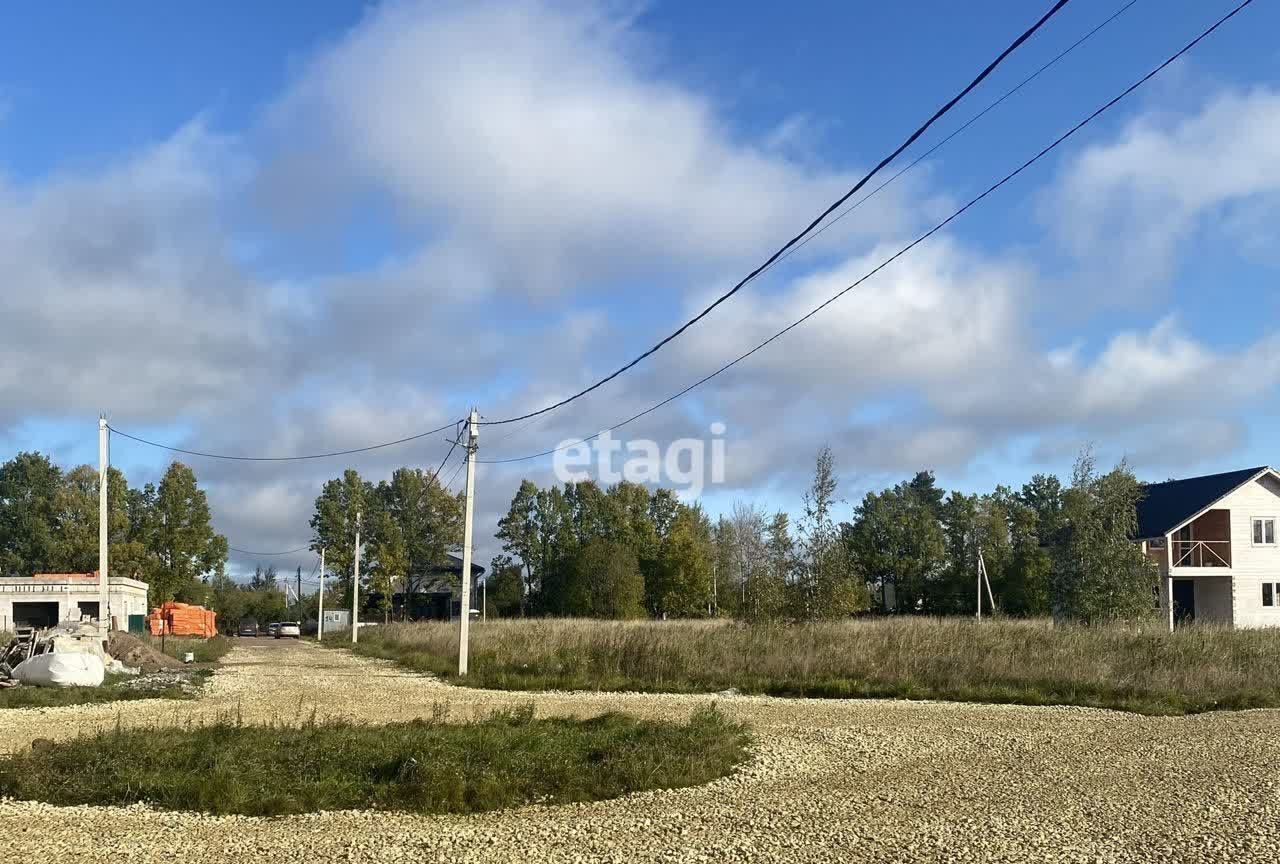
(1201, 553)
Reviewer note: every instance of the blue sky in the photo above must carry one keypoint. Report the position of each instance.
(309, 226)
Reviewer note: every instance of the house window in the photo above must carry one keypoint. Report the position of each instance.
(1264, 532)
(1268, 597)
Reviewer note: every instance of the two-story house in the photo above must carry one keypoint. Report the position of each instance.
(1214, 539)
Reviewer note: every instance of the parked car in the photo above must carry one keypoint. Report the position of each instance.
(248, 627)
(288, 628)
(273, 629)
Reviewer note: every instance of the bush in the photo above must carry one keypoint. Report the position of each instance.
(504, 760)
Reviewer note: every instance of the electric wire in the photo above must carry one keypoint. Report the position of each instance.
(925, 236)
(328, 455)
(914, 162)
(268, 554)
(454, 475)
(839, 202)
(956, 132)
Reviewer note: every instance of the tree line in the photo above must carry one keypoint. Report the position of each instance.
(408, 526)
(627, 551)
(161, 534)
(1049, 548)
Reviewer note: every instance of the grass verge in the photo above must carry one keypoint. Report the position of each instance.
(507, 759)
(115, 688)
(1139, 669)
(209, 650)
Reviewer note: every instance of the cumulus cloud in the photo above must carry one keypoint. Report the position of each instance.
(541, 138)
(536, 148)
(122, 290)
(1131, 204)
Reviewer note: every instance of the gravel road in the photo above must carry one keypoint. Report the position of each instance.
(831, 781)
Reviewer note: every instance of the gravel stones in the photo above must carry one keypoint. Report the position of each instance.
(829, 781)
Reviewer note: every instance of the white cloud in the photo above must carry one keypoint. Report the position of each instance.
(1127, 208)
(538, 137)
(121, 292)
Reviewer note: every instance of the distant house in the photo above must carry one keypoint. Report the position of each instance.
(437, 595)
(1214, 539)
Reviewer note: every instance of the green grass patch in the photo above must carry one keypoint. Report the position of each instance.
(115, 688)
(429, 766)
(1141, 669)
(209, 650)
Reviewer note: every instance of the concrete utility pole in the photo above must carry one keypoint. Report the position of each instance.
(320, 608)
(473, 439)
(104, 459)
(355, 589)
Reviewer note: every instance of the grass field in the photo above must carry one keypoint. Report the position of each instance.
(1141, 669)
(504, 760)
(116, 688)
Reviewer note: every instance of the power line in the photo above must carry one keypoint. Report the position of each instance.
(916, 161)
(454, 475)
(173, 449)
(268, 554)
(957, 131)
(810, 227)
(925, 236)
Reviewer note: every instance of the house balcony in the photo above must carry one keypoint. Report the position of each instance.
(1204, 545)
(1201, 553)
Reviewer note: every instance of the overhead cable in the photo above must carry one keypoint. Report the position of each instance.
(238, 458)
(925, 236)
(911, 139)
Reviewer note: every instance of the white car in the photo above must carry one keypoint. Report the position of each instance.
(289, 628)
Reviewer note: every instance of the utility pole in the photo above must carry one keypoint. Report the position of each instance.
(978, 571)
(299, 596)
(355, 589)
(320, 608)
(104, 459)
(473, 439)
(984, 579)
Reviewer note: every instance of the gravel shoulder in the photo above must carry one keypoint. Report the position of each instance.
(830, 781)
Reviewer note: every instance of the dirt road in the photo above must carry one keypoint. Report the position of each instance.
(831, 781)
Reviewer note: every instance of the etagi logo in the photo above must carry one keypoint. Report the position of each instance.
(687, 463)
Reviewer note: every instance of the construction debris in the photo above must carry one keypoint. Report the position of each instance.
(133, 652)
(69, 655)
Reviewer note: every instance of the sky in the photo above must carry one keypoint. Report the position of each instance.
(310, 226)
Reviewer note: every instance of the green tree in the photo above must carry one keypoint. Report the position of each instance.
(29, 486)
(518, 531)
(766, 594)
(605, 582)
(424, 518)
(504, 591)
(183, 542)
(388, 555)
(333, 526)
(897, 542)
(681, 583)
(1026, 588)
(829, 584)
(1099, 573)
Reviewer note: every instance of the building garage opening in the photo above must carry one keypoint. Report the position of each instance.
(88, 608)
(35, 614)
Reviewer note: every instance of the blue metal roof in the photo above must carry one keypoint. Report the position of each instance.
(1165, 506)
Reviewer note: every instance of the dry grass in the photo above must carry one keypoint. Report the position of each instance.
(1143, 669)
